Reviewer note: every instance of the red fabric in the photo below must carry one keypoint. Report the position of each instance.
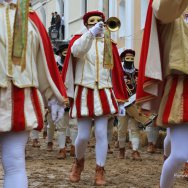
(78, 101)
(92, 13)
(37, 108)
(52, 67)
(141, 95)
(90, 102)
(67, 58)
(18, 116)
(118, 83)
(170, 100)
(185, 99)
(104, 102)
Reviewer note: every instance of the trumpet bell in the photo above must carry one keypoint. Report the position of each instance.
(113, 24)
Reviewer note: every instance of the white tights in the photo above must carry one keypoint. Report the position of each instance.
(13, 158)
(178, 155)
(84, 128)
(167, 143)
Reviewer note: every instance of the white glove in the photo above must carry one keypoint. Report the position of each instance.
(121, 110)
(57, 110)
(97, 29)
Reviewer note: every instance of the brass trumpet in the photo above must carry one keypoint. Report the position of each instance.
(113, 24)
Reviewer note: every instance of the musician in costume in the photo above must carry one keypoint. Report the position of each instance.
(162, 80)
(22, 88)
(94, 79)
(134, 116)
(62, 126)
(61, 52)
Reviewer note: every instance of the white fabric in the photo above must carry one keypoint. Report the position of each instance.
(84, 128)
(178, 155)
(29, 110)
(50, 128)
(61, 139)
(57, 110)
(152, 133)
(73, 135)
(35, 59)
(134, 133)
(98, 109)
(130, 101)
(88, 71)
(34, 134)
(13, 159)
(97, 29)
(68, 131)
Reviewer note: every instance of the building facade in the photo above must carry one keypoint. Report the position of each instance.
(132, 14)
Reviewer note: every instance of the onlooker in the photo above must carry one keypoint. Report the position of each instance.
(63, 26)
(53, 19)
(57, 22)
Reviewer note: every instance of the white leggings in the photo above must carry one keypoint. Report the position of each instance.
(13, 158)
(84, 128)
(177, 157)
(167, 143)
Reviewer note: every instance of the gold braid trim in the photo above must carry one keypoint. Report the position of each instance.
(10, 72)
(20, 34)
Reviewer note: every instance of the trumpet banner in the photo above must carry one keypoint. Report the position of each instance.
(20, 33)
(108, 62)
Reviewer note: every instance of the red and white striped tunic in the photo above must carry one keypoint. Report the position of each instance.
(174, 103)
(20, 109)
(93, 102)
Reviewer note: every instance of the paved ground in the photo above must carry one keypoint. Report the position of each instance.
(45, 171)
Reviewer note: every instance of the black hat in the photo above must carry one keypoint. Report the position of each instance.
(61, 48)
(127, 51)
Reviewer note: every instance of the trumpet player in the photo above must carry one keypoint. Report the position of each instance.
(96, 90)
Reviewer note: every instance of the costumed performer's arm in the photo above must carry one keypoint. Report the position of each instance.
(82, 45)
(168, 10)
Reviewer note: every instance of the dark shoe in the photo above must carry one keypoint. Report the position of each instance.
(185, 173)
(72, 151)
(77, 168)
(99, 176)
(151, 148)
(121, 153)
(44, 134)
(109, 150)
(50, 146)
(36, 143)
(62, 154)
(136, 156)
(68, 140)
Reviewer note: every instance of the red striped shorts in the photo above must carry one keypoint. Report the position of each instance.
(93, 102)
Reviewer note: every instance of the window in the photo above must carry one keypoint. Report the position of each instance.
(144, 7)
(122, 18)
